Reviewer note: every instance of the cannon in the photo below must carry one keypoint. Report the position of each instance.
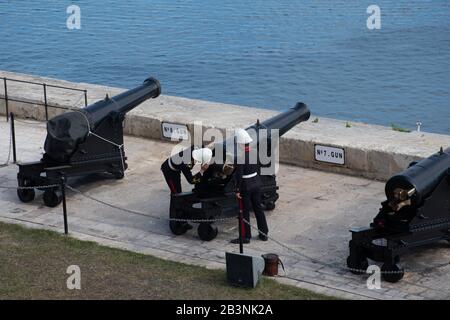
(215, 195)
(416, 212)
(82, 142)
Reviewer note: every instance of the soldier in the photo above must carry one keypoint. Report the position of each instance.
(177, 164)
(172, 168)
(249, 188)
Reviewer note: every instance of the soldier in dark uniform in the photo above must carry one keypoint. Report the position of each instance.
(249, 189)
(184, 163)
(179, 163)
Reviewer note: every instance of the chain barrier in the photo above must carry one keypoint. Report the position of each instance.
(32, 123)
(49, 186)
(314, 260)
(146, 214)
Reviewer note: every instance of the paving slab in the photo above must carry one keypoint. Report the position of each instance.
(311, 220)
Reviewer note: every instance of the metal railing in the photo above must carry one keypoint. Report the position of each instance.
(46, 105)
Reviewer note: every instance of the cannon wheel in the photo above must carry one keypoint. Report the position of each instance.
(26, 195)
(207, 231)
(52, 198)
(396, 274)
(177, 228)
(359, 267)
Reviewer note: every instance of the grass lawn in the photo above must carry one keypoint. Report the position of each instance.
(33, 265)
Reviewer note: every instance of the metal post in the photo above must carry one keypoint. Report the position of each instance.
(6, 100)
(85, 98)
(13, 137)
(241, 225)
(45, 101)
(63, 192)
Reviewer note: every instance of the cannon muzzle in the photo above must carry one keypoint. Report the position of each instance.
(285, 121)
(416, 183)
(124, 102)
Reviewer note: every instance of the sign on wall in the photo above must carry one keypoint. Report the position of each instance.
(329, 154)
(175, 131)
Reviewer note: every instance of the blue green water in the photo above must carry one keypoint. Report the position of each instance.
(263, 53)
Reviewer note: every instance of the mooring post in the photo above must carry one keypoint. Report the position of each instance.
(13, 137)
(6, 100)
(63, 193)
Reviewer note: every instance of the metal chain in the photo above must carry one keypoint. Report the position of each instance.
(28, 122)
(49, 186)
(334, 266)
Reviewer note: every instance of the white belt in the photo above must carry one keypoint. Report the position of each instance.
(171, 165)
(248, 176)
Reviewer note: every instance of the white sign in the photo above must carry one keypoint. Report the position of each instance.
(329, 154)
(175, 131)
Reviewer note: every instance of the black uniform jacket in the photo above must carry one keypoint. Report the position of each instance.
(243, 169)
(185, 167)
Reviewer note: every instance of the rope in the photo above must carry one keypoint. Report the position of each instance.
(119, 146)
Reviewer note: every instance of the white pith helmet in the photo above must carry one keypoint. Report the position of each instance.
(203, 155)
(242, 136)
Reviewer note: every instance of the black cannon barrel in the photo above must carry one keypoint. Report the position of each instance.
(286, 120)
(282, 122)
(423, 176)
(66, 131)
(123, 102)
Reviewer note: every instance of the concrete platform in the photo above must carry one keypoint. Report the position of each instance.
(312, 217)
(371, 151)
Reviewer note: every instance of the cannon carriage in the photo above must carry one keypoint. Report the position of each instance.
(215, 196)
(416, 213)
(82, 142)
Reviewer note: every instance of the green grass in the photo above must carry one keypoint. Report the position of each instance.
(399, 129)
(33, 265)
